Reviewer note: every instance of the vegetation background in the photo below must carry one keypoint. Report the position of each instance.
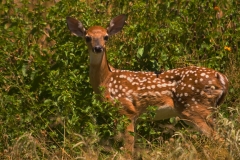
(47, 107)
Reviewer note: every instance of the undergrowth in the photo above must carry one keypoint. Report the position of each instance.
(48, 109)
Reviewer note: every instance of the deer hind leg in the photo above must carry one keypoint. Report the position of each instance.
(200, 117)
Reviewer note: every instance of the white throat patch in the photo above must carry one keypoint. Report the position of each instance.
(95, 58)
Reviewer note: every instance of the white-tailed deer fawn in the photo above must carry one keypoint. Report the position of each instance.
(191, 93)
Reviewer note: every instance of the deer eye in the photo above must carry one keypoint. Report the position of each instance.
(88, 38)
(105, 38)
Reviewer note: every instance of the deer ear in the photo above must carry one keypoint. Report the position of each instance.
(76, 27)
(116, 24)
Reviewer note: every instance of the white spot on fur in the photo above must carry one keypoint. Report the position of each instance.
(151, 93)
(169, 85)
(158, 94)
(164, 85)
(112, 91)
(122, 76)
(222, 79)
(120, 87)
(129, 92)
(130, 79)
(167, 93)
(202, 74)
(135, 83)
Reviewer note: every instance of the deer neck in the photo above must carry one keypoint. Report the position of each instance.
(99, 70)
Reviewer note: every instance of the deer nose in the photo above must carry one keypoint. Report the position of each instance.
(98, 49)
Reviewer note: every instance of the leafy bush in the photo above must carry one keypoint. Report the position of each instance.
(46, 98)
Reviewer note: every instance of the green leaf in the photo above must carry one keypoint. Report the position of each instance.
(24, 70)
(140, 52)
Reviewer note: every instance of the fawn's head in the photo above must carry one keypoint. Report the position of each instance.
(96, 36)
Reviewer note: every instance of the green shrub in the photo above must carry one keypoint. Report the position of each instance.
(45, 91)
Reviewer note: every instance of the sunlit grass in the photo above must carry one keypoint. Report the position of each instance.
(47, 110)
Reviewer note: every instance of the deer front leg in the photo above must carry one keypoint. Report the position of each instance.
(130, 111)
(129, 139)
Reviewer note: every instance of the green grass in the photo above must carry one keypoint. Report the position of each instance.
(48, 109)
